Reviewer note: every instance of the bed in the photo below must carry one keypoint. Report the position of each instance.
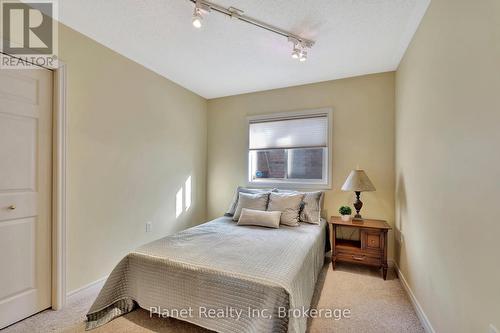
(224, 277)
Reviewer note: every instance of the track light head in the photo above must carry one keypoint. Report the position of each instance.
(197, 18)
(200, 8)
(303, 56)
(299, 48)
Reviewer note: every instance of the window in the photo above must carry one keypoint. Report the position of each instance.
(290, 149)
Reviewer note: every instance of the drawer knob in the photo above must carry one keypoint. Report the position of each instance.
(358, 258)
(12, 207)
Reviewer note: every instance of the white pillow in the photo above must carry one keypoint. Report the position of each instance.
(259, 218)
(289, 206)
(257, 201)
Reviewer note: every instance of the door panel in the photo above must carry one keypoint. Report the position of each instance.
(25, 193)
(19, 135)
(18, 87)
(21, 276)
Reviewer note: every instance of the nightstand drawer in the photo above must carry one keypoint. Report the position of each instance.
(357, 252)
(359, 258)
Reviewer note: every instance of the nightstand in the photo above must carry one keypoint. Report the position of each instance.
(370, 250)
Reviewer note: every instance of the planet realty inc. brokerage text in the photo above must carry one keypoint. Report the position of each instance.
(238, 313)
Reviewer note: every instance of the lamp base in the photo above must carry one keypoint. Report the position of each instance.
(357, 219)
(358, 205)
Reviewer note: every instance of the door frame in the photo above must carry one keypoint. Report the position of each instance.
(59, 186)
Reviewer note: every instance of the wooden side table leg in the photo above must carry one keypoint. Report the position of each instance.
(332, 244)
(384, 261)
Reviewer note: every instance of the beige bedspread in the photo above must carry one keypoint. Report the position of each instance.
(220, 276)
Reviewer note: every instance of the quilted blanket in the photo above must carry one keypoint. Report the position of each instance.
(221, 276)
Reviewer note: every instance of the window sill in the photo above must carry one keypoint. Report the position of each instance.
(290, 186)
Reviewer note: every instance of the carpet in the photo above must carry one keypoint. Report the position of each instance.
(357, 294)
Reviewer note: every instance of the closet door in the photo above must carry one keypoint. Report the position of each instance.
(25, 193)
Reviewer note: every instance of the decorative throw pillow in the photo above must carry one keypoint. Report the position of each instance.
(232, 208)
(257, 201)
(310, 210)
(259, 218)
(289, 206)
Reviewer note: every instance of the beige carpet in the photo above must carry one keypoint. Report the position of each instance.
(375, 306)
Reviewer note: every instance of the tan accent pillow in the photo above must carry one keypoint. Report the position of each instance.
(257, 201)
(289, 206)
(259, 218)
(234, 203)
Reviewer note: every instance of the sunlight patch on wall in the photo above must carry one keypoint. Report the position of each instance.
(183, 198)
(187, 189)
(178, 203)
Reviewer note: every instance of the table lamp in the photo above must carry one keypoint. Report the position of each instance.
(358, 182)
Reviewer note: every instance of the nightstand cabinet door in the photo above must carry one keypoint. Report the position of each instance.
(372, 240)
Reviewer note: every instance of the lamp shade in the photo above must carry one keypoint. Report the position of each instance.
(358, 181)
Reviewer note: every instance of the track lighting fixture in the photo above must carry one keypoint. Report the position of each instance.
(299, 44)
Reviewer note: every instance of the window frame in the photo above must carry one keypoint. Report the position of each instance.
(324, 184)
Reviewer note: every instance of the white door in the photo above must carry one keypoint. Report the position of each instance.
(25, 193)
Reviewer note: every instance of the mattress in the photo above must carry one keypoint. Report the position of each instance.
(221, 276)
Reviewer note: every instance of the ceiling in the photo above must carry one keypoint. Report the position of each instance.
(228, 57)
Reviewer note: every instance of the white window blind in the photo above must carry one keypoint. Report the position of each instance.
(289, 133)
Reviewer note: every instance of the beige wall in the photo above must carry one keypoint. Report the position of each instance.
(363, 134)
(134, 138)
(448, 165)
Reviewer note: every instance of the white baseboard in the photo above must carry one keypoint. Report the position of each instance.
(416, 305)
(96, 284)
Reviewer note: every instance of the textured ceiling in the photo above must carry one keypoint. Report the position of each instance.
(228, 57)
